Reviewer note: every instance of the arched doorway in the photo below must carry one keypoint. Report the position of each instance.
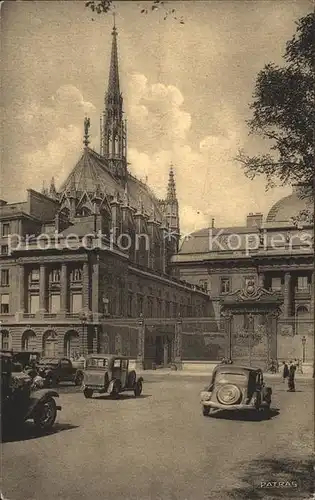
(302, 315)
(5, 340)
(50, 344)
(28, 342)
(72, 344)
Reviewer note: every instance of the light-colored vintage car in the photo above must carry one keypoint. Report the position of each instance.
(105, 373)
(235, 387)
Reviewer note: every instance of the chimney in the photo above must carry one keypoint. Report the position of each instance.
(254, 220)
(212, 223)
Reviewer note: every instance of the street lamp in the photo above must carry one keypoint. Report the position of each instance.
(84, 319)
(227, 315)
(250, 334)
(303, 348)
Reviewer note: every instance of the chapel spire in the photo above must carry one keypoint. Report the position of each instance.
(113, 80)
(113, 127)
(171, 189)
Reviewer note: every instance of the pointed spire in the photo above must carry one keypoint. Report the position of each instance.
(153, 212)
(125, 196)
(113, 80)
(140, 205)
(87, 125)
(171, 189)
(52, 190)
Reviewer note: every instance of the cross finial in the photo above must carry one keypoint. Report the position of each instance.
(114, 27)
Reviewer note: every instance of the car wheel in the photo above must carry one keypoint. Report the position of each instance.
(88, 393)
(138, 389)
(205, 410)
(45, 414)
(79, 379)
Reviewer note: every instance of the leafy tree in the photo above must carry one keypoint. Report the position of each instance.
(106, 6)
(283, 112)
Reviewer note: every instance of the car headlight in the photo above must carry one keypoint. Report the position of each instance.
(205, 396)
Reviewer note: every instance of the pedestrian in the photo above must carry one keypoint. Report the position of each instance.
(285, 372)
(291, 382)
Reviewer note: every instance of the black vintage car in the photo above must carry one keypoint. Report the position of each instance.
(55, 370)
(20, 402)
(235, 387)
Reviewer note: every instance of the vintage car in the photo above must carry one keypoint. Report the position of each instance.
(235, 387)
(55, 370)
(110, 374)
(20, 402)
(26, 358)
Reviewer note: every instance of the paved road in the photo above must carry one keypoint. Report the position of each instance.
(160, 447)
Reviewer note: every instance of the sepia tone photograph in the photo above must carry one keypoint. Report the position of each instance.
(157, 185)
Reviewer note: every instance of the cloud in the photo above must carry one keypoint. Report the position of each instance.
(155, 112)
(210, 183)
(56, 133)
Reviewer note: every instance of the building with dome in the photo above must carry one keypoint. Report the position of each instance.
(85, 267)
(274, 254)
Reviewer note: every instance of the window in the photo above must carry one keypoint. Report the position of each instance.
(116, 363)
(276, 284)
(5, 229)
(76, 302)
(55, 276)
(54, 303)
(140, 305)
(158, 308)
(34, 304)
(4, 249)
(34, 275)
(5, 303)
(204, 284)
(5, 340)
(76, 275)
(129, 307)
(167, 309)
(4, 277)
(150, 307)
(302, 283)
(225, 285)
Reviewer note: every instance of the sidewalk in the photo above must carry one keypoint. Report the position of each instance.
(203, 373)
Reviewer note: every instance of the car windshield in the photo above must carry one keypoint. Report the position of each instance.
(224, 378)
(97, 363)
(48, 361)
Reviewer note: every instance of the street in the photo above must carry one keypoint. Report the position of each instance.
(159, 446)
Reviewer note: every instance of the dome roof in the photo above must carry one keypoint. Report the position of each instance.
(288, 207)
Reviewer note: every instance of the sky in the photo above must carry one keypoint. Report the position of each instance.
(186, 88)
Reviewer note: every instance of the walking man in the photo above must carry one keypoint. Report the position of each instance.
(291, 383)
(285, 372)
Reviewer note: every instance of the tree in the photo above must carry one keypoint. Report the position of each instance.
(283, 112)
(106, 6)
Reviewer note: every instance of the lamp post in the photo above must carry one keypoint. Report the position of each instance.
(250, 334)
(303, 348)
(227, 315)
(141, 340)
(84, 319)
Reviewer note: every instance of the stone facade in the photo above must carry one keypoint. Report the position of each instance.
(275, 253)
